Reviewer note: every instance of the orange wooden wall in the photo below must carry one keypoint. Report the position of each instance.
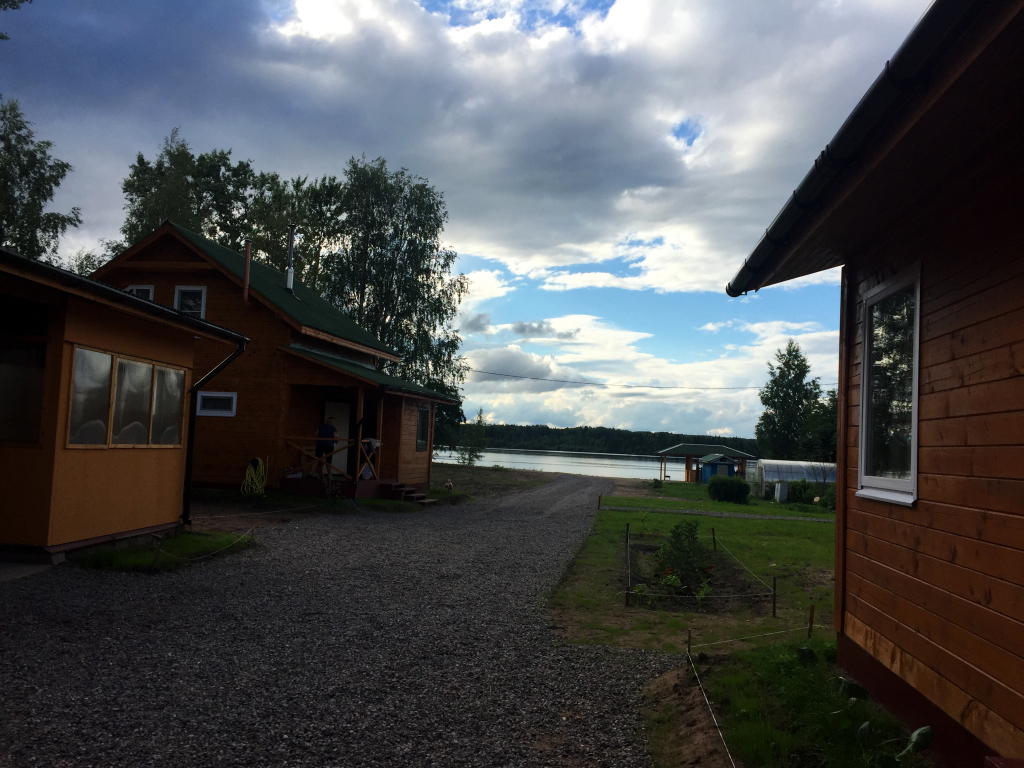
(936, 591)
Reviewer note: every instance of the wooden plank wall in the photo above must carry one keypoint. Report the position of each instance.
(936, 591)
(414, 467)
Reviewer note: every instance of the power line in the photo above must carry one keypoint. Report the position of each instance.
(602, 384)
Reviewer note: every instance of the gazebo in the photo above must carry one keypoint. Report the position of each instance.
(696, 450)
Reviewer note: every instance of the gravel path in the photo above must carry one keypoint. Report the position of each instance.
(360, 640)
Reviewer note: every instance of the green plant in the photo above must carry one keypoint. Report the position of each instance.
(828, 498)
(801, 492)
(734, 489)
(656, 484)
(684, 557)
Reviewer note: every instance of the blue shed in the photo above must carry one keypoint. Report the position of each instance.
(716, 464)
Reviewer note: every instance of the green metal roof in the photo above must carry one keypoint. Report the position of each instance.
(364, 372)
(712, 458)
(696, 449)
(303, 306)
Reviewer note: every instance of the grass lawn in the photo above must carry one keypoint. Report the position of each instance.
(481, 482)
(589, 604)
(695, 496)
(161, 555)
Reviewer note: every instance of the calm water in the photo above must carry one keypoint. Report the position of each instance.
(596, 464)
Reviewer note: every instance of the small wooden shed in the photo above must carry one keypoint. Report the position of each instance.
(94, 388)
(920, 197)
(307, 362)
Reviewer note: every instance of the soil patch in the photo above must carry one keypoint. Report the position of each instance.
(680, 731)
(483, 482)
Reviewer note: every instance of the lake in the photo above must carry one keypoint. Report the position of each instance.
(596, 464)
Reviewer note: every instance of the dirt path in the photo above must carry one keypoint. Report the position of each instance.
(364, 639)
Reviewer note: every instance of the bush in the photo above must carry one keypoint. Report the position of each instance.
(684, 561)
(828, 498)
(734, 489)
(802, 492)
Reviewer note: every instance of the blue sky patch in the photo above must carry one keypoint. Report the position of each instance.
(688, 131)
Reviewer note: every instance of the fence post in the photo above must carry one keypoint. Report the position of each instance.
(599, 497)
(689, 635)
(714, 541)
(775, 591)
(810, 622)
(629, 568)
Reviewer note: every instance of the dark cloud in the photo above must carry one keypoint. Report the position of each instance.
(542, 329)
(476, 323)
(514, 362)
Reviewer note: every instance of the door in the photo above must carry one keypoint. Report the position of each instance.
(341, 413)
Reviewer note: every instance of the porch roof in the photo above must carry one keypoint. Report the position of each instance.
(359, 371)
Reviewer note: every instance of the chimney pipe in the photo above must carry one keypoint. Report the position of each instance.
(248, 260)
(289, 274)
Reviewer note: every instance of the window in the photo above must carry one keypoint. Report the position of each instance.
(422, 427)
(24, 326)
(888, 422)
(140, 291)
(118, 401)
(217, 404)
(190, 300)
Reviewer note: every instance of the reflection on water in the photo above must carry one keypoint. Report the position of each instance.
(595, 464)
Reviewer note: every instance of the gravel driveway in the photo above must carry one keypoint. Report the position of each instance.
(343, 640)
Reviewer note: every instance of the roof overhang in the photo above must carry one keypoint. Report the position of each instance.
(956, 82)
(75, 285)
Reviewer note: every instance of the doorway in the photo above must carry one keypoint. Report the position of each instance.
(341, 413)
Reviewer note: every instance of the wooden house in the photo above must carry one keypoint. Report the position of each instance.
(920, 197)
(93, 385)
(307, 362)
(715, 464)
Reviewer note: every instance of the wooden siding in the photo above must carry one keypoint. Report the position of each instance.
(415, 465)
(936, 591)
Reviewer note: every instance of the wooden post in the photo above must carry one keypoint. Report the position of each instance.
(380, 433)
(599, 497)
(714, 541)
(359, 438)
(775, 592)
(689, 463)
(689, 637)
(629, 569)
(810, 622)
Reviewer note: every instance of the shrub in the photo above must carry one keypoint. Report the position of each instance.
(684, 561)
(769, 491)
(734, 489)
(656, 484)
(802, 492)
(828, 498)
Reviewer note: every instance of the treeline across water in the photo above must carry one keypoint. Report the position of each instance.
(598, 439)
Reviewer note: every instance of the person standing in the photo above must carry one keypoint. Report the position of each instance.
(327, 438)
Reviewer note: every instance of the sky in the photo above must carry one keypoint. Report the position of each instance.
(607, 165)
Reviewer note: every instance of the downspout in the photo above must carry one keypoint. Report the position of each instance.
(193, 401)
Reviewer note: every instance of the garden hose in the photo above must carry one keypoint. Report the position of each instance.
(255, 483)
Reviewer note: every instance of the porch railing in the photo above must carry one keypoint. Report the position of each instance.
(309, 462)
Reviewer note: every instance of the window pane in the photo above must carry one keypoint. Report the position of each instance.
(190, 303)
(90, 398)
(22, 368)
(422, 427)
(890, 394)
(131, 403)
(216, 403)
(167, 406)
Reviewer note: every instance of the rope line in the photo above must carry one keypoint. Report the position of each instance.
(603, 384)
(710, 708)
(208, 554)
(719, 539)
(749, 637)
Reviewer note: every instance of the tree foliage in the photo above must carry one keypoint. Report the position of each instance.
(470, 449)
(788, 398)
(820, 432)
(370, 243)
(29, 177)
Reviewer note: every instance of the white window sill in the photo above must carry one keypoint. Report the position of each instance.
(892, 497)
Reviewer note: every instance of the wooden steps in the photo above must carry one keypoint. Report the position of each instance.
(390, 489)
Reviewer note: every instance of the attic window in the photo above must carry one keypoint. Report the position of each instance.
(190, 300)
(140, 291)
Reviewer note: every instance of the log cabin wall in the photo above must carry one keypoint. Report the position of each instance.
(935, 591)
(414, 467)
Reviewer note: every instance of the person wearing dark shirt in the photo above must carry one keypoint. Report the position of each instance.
(327, 437)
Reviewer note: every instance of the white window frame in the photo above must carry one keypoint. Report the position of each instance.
(200, 411)
(150, 288)
(887, 489)
(177, 294)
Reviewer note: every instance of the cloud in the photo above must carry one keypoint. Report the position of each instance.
(484, 285)
(477, 323)
(543, 329)
(716, 327)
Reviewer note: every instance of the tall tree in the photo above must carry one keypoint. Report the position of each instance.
(821, 429)
(29, 178)
(787, 398)
(393, 276)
